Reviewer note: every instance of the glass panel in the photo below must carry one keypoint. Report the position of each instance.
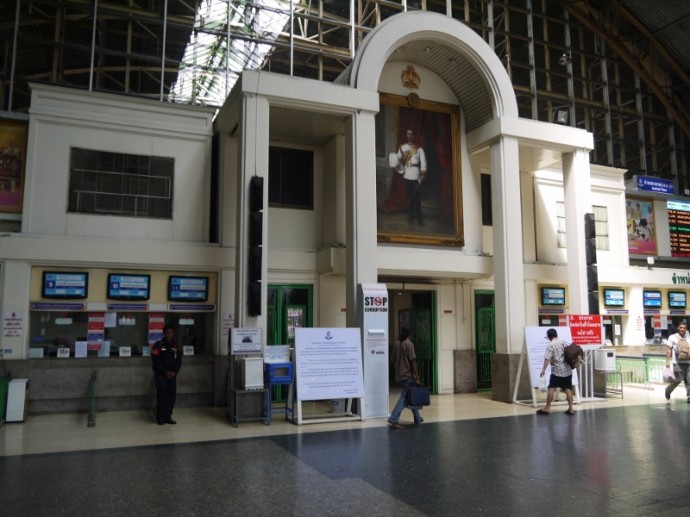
(53, 331)
(295, 319)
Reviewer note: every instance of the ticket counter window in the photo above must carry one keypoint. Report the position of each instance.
(53, 334)
(657, 336)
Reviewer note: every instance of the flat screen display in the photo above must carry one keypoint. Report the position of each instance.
(677, 300)
(614, 297)
(679, 227)
(65, 285)
(188, 288)
(651, 299)
(129, 287)
(553, 296)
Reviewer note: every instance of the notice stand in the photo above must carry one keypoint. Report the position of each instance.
(532, 359)
(587, 371)
(245, 378)
(328, 366)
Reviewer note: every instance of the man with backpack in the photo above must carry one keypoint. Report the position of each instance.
(678, 352)
(561, 372)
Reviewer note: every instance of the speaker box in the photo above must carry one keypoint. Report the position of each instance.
(256, 194)
(593, 298)
(254, 298)
(592, 278)
(256, 220)
(255, 263)
(591, 251)
(590, 227)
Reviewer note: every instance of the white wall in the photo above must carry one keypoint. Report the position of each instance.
(61, 119)
(608, 190)
(296, 229)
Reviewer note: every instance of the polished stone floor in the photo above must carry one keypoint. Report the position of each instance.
(471, 456)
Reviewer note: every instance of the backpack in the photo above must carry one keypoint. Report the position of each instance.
(683, 351)
(573, 355)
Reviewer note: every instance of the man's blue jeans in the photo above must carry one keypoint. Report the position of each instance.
(402, 404)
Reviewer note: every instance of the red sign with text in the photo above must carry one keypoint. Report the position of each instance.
(586, 329)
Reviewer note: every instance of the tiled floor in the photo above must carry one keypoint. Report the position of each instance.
(472, 456)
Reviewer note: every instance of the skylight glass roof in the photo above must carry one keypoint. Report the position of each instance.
(210, 67)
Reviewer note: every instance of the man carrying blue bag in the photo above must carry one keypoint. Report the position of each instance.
(404, 363)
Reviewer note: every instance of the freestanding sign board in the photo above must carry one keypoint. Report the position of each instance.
(372, 319)
(328, 365)
(532, 358)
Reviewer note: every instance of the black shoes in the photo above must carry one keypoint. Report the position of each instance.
(170, 421)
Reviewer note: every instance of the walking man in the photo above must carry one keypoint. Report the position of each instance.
(405, 364)
(676, 352)
(561, 373)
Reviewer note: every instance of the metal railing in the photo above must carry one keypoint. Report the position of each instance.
(633, 370)
(92, 399)
(641, 370)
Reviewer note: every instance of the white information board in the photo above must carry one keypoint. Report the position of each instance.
(532, 358)
(246, 341)
(536, 343)
(328, 363)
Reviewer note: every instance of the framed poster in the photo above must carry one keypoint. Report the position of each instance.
(418, 185)
(639, 215)
(13, 141)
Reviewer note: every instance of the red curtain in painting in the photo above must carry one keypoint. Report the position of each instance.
(433, 133)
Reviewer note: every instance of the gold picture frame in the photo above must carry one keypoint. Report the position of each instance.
(13, 141)
(414, 205)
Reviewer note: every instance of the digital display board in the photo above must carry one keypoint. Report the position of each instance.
(553, 296)
(614, 297)
(188, 288)
(677, 300)
(651, 299)
(129, 287)
(65, 285)
(679, 227)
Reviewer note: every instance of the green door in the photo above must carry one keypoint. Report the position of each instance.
(422, 326)
(289, 307)
(485, 338)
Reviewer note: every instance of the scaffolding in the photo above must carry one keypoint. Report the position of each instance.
(569, 62)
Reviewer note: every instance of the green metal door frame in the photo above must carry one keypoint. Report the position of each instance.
(424, 336)
(485, 336)
(279, 309)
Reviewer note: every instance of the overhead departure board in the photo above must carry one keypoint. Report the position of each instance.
(679, 227)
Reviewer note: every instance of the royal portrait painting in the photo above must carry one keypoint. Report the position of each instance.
(418, 187)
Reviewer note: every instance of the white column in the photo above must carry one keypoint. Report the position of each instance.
(360, 211)
(509, 285)
(577, 186)
(253, 161)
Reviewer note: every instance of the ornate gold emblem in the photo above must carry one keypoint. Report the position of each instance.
(410, 78)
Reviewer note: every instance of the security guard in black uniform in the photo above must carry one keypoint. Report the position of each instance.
(167, 361)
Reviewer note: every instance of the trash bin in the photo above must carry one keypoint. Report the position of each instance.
(17, 400)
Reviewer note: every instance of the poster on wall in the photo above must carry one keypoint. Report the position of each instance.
(639, 215)
(418, 187)
(13, 139)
